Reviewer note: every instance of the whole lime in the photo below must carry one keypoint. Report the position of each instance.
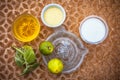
(55, 65)
(46, 48)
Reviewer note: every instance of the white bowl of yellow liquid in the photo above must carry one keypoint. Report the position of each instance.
(53, 15)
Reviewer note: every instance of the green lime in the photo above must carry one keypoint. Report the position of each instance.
(55, 65)
(46, 48)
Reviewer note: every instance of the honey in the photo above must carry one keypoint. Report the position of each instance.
(26, 28)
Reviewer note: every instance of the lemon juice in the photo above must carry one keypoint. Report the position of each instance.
(53, 16)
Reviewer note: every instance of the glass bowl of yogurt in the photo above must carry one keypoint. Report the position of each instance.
(53, 15)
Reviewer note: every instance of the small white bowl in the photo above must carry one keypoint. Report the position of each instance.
(89, 33)
(53, 5)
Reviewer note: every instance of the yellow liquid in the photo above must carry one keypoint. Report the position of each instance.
(26, 28)
(53, 16)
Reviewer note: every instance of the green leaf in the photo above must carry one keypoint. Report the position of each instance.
(19, 50)
(30, 68)
(34, 66)
(26, 70)
(19, 60)
(29, 55)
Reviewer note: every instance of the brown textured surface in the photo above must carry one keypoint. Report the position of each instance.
(101, 63)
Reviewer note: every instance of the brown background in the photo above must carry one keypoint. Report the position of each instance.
(101, 63)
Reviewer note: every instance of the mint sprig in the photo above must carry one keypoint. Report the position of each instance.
(25, 58)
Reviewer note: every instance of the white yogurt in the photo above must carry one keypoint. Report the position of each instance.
(93, 30)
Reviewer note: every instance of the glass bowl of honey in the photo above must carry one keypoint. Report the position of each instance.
(25, 27)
